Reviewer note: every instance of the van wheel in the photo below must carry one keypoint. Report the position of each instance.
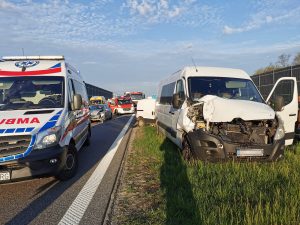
(141, 122)
(187, 151)
(70, 166)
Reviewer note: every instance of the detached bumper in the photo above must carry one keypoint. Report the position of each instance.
(41, 162)
(213, 148)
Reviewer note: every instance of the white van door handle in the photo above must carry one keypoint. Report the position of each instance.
(292, 114)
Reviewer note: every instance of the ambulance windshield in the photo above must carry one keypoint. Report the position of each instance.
(21, 93)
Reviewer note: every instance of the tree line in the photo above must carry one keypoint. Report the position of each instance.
(282, 61)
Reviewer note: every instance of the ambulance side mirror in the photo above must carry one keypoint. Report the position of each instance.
(77, 102)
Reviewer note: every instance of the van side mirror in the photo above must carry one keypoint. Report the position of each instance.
(279, 103)
(176, 101)
(77, 102)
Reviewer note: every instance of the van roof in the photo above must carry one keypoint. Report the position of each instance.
(32, 66)
(48, 57)
(192, 71)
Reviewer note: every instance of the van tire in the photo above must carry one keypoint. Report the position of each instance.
(70, 166)
(141, 122)
(186, 151)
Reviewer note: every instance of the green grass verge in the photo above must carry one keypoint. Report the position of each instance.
(210, 193)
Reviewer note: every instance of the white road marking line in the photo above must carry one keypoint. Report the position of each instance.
(83, 199)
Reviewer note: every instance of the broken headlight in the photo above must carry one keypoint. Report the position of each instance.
(280, 130)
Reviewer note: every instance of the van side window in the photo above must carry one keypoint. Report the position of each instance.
(71, 93)
(81, 89)
(167, 94)
(284, 90)
(71, 90)
(180, 90)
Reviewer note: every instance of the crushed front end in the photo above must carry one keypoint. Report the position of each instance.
(237, 139)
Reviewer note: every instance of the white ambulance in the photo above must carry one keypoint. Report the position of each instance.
(217, 113)
(44, 117)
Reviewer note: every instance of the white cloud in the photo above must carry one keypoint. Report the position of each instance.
(188, 12)
(164, 4)
(144, 8)
(268, 13)
(6, 5)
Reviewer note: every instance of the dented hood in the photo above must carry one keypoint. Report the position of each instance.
(216, 109)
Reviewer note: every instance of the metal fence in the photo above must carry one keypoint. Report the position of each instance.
(96, 91)
(266, 81)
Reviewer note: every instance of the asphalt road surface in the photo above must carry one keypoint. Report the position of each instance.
(46, 200)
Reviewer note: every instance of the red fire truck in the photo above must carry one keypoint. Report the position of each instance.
(135, 96)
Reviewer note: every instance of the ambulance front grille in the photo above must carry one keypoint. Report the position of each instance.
(12, 145)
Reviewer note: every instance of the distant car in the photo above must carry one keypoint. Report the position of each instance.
(100, 112)
(121, 105)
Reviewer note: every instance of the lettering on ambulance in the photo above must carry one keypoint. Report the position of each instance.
(20, 121)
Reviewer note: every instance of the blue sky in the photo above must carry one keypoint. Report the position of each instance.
(130, 45)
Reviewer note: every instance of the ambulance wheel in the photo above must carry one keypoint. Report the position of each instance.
(70, 166)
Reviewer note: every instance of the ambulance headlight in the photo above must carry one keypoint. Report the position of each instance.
(48, 138)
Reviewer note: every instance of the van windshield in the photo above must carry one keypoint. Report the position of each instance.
(224, 87)
(18, 93)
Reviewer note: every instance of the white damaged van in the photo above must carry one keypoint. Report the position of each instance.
(217, 113)
(44, 117)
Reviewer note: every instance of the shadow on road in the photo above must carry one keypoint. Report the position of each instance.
(101, 141)
(181, 206)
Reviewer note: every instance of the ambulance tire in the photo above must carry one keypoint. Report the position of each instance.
(70, 167)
